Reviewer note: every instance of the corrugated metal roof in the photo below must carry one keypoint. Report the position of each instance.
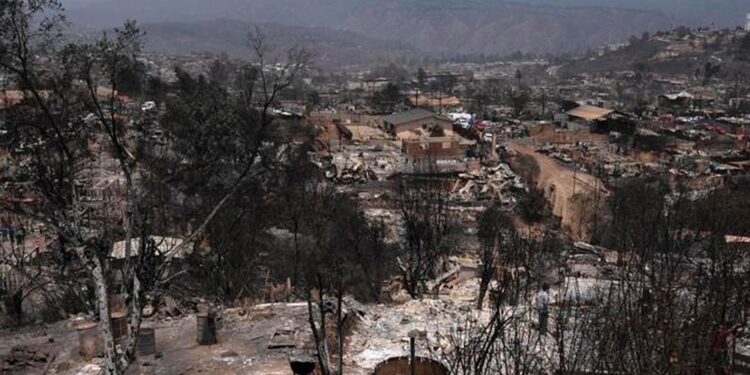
(682, 95)
(589, 112)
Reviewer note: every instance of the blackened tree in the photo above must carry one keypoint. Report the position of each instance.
(495, 226)
(428, 226)
(389, 99)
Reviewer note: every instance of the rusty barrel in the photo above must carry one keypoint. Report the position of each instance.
(116, 303)
(119, 321)
(147, 341)
(90, 343)
(206, 328)
(115, 285)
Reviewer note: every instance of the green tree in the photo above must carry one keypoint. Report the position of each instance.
(710, 71)
(389, 99)
(744, 47)
(220, 71)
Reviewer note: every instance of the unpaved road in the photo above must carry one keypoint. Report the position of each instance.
(560, 183)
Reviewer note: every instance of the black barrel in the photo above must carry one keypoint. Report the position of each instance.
(206, 329)
(147, 341)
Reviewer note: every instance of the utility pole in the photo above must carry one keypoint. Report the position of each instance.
(412, 353)
(340, 330)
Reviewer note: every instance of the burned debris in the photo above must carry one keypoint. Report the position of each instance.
(205, 214)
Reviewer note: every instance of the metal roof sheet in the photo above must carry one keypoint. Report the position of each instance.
(589, 112)
(412, 115)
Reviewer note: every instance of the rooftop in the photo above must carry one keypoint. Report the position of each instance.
(432, 139)
(412, 115)
(589, 112)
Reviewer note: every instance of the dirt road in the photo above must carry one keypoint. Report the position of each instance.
(560, 183)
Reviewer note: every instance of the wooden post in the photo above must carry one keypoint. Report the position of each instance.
(412, 356)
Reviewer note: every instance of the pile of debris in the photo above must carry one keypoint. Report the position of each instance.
(357, 172)
(384, 332)
(348, 170)
(488, 183)
(353, 164)
(25, 360)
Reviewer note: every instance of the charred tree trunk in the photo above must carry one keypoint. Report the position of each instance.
(488, 270)
(14, 303)
(134, 329)
(340, 331)
(319, 335)
(96, 270)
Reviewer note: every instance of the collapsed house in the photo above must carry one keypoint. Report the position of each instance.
(489, 183)
(437, 147)
(679, 102)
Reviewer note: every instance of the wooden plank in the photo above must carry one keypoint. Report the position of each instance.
(283, 338)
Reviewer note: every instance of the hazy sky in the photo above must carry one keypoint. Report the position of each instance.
(725, 10)
(453, 26)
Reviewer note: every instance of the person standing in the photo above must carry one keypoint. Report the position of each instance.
(542, 307)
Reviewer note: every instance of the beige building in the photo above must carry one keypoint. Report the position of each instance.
(418, 123)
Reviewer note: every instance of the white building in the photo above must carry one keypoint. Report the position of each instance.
(747, 25)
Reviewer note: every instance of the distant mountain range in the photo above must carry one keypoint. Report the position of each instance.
(718, 13)
(361, 29)
(330, 48)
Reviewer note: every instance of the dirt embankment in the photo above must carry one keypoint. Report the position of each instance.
(560, 184)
